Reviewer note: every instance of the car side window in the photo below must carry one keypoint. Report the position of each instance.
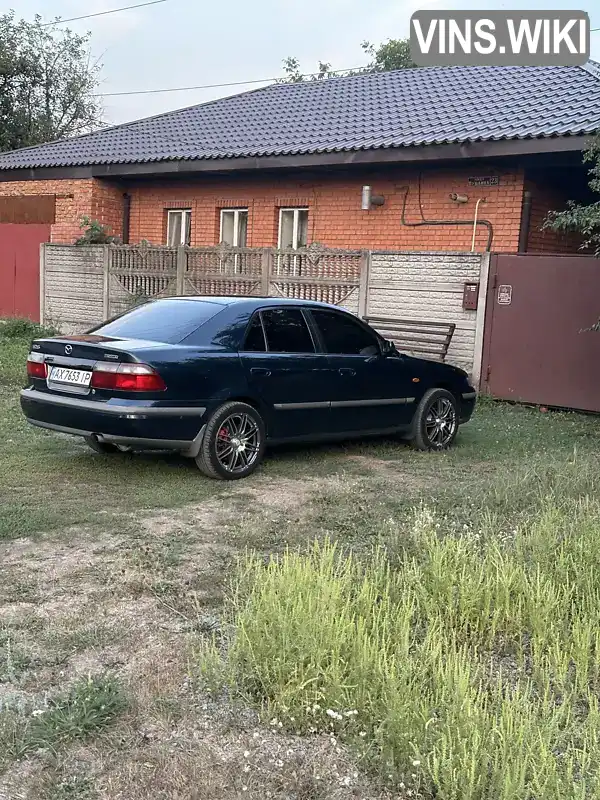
(286, 331)
(255, 337)
(343, 336)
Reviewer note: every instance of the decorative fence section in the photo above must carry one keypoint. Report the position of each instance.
(224, 271)
(138, 273)
(329, 276)
(119, 276)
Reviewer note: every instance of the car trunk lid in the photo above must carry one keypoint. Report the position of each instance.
(69, 361)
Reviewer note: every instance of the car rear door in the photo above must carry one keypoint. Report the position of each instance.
(287, 372)
(369, 391)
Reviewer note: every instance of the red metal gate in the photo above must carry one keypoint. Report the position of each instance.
(534, 348)
(20, 269)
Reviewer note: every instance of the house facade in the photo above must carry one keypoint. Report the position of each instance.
(456, 159)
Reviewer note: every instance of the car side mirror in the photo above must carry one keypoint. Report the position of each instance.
(388, 348)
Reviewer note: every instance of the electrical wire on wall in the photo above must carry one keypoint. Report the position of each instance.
(424, 222)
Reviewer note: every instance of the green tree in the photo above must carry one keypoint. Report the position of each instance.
(293, 74)
(580, 217)
(47, 83)
(393, 54)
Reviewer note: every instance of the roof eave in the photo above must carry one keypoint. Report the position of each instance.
(423, 153)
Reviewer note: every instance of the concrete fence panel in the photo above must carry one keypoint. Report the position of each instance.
(429, 287)
(73, 287)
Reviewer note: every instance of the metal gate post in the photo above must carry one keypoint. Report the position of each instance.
(484, 279)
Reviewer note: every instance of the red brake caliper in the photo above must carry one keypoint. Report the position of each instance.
(223, 434)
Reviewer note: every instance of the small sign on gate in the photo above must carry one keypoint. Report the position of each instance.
(504, 294)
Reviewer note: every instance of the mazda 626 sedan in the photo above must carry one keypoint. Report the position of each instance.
(220, 378)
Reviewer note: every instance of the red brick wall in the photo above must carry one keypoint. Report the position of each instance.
(335, 215)
(75, 199)
(107, 206)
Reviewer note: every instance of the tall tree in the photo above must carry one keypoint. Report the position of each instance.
(47, 83)
(584, 218)
(393, 54)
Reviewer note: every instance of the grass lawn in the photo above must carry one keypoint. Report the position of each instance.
(452, 602)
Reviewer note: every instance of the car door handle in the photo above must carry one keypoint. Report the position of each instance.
(347, 371)
(260, 371)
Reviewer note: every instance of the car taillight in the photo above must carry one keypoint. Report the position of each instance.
(36, 366)
(127, 378)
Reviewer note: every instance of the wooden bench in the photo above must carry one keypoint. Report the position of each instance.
(428, 339)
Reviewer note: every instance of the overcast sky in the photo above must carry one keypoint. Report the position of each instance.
(195, 42)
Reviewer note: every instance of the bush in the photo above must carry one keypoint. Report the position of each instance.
(95, 233)
(470, 671)
(23, 329)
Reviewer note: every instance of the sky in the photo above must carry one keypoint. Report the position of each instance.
(195, 42)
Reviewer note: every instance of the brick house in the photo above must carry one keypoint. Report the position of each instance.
(286, 164)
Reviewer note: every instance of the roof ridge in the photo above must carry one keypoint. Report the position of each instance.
(592, 67)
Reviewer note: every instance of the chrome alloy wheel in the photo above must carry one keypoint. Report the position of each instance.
(440, 423)
(237, 443)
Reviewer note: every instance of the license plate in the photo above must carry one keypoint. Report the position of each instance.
(74, 377)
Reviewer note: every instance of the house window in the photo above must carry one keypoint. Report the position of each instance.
(234, 226)
(179, 227)
(293, 228)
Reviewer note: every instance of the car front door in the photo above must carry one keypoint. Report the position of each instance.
(285, 370)
(369, 390)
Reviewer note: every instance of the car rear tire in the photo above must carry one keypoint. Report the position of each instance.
(435, 424)
(233, 444)
(101, 447)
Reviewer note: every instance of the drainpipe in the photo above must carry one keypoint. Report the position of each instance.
(525, 222)
(126, 217)
(480, 200)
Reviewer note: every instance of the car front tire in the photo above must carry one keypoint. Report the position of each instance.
(435, 423)
(233, 444)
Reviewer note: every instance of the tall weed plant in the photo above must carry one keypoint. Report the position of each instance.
(466, 669)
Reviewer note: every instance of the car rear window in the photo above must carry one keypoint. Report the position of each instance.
(169, 321)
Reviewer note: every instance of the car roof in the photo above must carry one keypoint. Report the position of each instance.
(255, 302)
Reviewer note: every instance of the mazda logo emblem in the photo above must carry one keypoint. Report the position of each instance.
(68, 349)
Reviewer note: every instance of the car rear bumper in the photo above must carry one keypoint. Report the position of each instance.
(135, 424)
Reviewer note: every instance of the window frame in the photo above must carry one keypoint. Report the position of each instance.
(317, 333)
(184, 213)
(253, 316)
(236, 226)
(295, 226)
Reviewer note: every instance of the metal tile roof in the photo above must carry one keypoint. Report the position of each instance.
(436, 105)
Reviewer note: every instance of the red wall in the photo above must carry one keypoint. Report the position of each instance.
(335, 215)
(334, 202)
